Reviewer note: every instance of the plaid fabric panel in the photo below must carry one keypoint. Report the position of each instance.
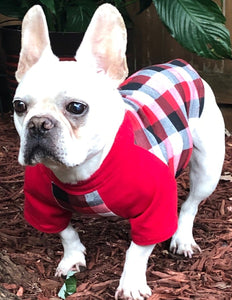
(160, 100)
(88, 204)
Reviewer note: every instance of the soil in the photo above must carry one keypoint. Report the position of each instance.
(28, 258)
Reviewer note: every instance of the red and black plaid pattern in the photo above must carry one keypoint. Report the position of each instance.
(160, 100)
(87, 204)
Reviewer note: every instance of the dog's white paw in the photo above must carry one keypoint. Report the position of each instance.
(72, 261)
(183, 245)
(133, 288)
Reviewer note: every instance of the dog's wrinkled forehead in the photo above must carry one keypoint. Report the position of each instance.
(48, 80)
(68, 90)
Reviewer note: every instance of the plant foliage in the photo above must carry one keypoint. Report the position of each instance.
(197, 25)
(71, 285)
(61, 15)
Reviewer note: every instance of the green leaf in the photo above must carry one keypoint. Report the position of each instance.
(49, 4)
(197, 25)
(78, 16)
(71, 285)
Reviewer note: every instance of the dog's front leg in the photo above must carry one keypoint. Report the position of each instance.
(74, 252)
(133, 282)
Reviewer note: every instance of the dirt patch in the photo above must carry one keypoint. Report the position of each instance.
(29, 258)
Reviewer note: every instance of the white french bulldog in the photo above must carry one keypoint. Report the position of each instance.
(80, 138)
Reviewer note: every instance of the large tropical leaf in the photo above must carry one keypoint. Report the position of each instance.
(197, 25)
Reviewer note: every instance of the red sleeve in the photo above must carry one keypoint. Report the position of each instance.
(40, 208)
(143, 190)
(159, 220)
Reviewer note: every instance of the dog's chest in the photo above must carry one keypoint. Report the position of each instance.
(160, 100)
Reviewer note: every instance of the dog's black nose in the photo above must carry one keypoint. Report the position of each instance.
(40, 125)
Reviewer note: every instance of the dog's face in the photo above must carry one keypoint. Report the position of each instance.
(66, 111)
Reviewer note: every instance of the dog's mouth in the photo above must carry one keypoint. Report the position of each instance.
(44, 143)
(41, 151)
(39, 154)
(41, 140)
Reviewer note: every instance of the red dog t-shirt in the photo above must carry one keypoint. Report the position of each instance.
(132, 181)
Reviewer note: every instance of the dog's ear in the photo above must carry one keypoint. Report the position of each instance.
(104, 44)
(35, 39)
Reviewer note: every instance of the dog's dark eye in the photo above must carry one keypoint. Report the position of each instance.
(19, 106)
(76, 108)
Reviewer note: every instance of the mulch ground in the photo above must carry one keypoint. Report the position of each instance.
(28, 258)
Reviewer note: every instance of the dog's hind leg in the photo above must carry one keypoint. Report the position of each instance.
(205, 169)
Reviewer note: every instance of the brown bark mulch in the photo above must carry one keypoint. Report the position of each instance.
(28, 258)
